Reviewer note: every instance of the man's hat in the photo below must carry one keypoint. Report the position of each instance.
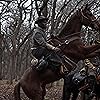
(41, 18)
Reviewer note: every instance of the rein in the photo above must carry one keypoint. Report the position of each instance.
(86, 17)
(68, 39)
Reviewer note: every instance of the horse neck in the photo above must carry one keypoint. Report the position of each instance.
(72, 26)
(63, 51)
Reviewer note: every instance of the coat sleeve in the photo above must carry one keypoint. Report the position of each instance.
(39, 39)
(42, 42)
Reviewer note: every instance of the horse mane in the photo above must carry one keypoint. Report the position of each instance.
(65, 30)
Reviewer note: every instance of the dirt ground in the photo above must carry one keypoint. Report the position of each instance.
(53, 93)
(6, 92)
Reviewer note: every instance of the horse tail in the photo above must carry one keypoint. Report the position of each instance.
(17, 91)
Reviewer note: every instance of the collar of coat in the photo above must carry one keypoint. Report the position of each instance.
(37, 27)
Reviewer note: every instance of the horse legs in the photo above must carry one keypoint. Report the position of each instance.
(67, 87)
(75, 95)
(43, 91)
(17, 92)
(66, 93)
(34, 91)
(38, 96)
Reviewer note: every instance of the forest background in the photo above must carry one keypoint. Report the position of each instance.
(17, 19)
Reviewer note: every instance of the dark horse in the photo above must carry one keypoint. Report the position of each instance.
(93, 89)
(73, 83)
(84, 81)
(33, 83)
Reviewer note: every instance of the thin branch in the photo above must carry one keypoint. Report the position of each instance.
(43, 6)
(24, 40)
(37, 8)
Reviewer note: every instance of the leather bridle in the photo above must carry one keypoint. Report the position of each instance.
(83, 16)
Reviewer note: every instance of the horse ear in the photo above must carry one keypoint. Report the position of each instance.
(88, 6)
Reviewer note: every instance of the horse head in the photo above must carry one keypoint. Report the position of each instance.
(81, 17)
(87, 18)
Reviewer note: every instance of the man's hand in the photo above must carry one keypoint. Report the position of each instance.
(57, 49)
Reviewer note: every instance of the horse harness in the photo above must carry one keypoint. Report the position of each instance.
(68, 39)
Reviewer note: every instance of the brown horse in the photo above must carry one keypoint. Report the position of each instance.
(33, 83)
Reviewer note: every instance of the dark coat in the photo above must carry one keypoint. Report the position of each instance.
(39, 37)
(39, 40)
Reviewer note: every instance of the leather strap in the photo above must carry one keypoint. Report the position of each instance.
(72, 39)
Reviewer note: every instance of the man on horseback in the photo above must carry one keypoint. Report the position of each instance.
(42, 49)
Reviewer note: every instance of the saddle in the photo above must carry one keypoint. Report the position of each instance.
(50, 61)
(54, 62)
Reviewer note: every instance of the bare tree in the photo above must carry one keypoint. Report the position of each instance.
(17, 26)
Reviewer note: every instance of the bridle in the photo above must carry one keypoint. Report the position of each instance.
(83, 16)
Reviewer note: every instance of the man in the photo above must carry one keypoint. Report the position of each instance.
(72, 84)
(42, 49)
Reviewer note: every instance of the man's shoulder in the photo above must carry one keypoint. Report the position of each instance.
(37, 30)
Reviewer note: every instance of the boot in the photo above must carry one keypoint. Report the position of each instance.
(42, 66)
